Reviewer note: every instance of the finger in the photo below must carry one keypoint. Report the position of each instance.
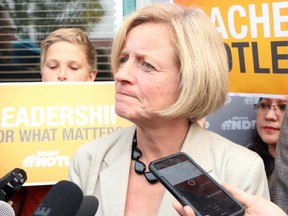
(189, 211)
(183, 211)
(179, 208)
(240, 195)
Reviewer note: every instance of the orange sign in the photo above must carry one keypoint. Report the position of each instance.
(42, 124)
(256, 37)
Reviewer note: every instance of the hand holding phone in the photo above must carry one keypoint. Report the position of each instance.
(192, 186)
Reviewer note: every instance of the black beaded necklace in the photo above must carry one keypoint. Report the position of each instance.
(139, 166)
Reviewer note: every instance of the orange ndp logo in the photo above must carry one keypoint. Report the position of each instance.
(256, 38)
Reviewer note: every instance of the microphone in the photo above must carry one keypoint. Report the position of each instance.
(11, 183)
(6, 209)
(89, 206)
(63, 199)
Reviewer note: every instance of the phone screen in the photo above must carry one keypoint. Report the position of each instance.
(201, 191)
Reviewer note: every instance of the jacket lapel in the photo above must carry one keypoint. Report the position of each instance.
(196, 147)
(113, 190)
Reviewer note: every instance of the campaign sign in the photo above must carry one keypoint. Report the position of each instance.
(42, 125)
(255, 34)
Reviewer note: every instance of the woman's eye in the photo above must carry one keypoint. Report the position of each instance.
(264, 105)
(282, 107)
(147, 66)
(123, 59)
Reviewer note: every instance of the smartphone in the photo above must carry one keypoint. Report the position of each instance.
(192, 186)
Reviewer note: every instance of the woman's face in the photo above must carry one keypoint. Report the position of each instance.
(269, 122)
(66, 62)
(148, 77)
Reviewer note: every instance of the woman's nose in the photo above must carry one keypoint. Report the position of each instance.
(126, 72)
(271, 114)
